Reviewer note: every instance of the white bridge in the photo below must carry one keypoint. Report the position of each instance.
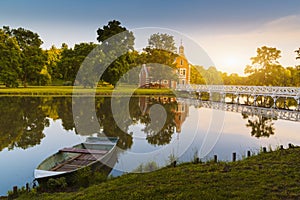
(272, 113)
(251, 91)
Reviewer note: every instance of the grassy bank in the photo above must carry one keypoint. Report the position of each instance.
(272, 175)
(69, 90)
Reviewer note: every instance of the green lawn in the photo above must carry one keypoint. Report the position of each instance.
(272, 175)
(70, 90)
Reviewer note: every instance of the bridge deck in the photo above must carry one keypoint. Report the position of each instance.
(292, 92)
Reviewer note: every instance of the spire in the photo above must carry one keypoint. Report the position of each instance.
(181, 49)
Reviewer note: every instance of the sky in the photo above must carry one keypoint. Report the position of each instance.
(229, 31)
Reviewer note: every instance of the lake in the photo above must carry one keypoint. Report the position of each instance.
(151, 129)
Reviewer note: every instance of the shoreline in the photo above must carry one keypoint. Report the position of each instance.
(262, 175)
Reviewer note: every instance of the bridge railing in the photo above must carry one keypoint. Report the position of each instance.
(236, 89)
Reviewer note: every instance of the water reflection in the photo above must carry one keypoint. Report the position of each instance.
(23, 119)
(176, 114)
(261, 126)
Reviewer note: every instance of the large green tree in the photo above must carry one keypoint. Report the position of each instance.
(160, 55)
(296, 72)
(10, 57)
(71, 60)
(197, 73)
(265, 67)
(53, 58)
(33, 58)
(162, 41)
(115, 40)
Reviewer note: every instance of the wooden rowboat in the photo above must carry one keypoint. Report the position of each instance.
(94, 152)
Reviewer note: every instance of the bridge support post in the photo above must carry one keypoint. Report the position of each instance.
(238, 98)
(223, 96)
(247, 99)
(274, 100)
(254, 102)
(284, 103)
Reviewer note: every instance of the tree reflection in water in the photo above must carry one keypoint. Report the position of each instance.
(23, 119)
(156, 133)
(22, 122)
(261, 126)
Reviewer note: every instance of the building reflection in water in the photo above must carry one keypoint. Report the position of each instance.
(179, 111)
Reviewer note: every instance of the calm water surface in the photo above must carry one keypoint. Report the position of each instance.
(157, 129)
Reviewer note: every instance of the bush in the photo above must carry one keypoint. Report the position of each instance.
(54, 184)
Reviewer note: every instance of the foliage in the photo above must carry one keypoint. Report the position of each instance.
(22, 60)
(72, 59)
(265, 66)
(10, 57)
(33, 57)
(53, 58)
(57, 184)
(197, 73)
(159, 55)
(116, 44)
(212, 76)
(162, 41)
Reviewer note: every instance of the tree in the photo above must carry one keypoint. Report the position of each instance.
(160, 54)
(114, 49)
(298, 53)
(197, 74)
(296, 73)
(162, 41)
(212, 76)
(32, 56)
(10, 56)
(72, 59)
(53, 57)
(265, 66)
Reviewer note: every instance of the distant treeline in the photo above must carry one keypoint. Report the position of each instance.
(24, 62)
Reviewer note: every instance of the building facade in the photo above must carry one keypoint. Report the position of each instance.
(183, 70)
(183, 67)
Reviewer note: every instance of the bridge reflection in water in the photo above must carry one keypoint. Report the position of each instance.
(273, 113)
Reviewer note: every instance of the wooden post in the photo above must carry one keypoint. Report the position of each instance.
(264, 149)
(281, 147)
(27, 187)
(215, 158)
(15, 190)
(174, 163)
(248, 153)
(290, 145)
(233, 157)
(197, 160)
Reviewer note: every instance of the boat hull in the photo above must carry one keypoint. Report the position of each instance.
(69, 162)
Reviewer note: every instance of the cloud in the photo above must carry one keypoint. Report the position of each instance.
(291, 22)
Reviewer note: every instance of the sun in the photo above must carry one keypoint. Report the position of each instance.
(231, 61)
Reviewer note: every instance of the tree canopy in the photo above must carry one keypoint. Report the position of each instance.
(117, 44)
(23, 61)
(10, 55)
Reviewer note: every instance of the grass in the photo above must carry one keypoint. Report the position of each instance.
(272, 175)
(68, 91)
